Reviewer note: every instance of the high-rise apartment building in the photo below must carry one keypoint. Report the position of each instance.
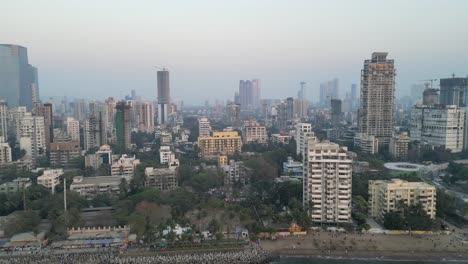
(281, 116)
(254, 133)
(73, 129)
(3, 120)
(290, 108)
(32, 137)
(398, 147)
(226, 143)
(439, 125)
(5, 152)
(233, 115)
(61, 153)
(18, 79)
(303, 133)
(336, 113)
(123, 127)
(327, 182)
(385, 195)
(204, 127)
(95, 131)
(46, 111)
(249, 94)
(145, 116)
(454, 91)
(328, 91)
(377, 97)
(430, 96)
(164, 96)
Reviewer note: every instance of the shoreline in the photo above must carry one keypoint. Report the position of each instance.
(376, 256)
(380, 247)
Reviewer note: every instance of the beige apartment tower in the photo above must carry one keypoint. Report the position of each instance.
(377, 97)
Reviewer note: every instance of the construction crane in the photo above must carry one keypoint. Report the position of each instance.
(427, 82)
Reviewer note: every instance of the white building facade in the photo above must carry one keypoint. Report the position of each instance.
(327, 182)
(438, 126)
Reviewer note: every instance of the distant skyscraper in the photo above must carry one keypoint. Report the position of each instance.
(204, 127)
(145, 113)
(354, 96)
(377, 97)
(3, 121)
(45, 110)
(18, 79)
(249, 94)
(454, 91)
(95, 134)
(328, 91)
(336, 112)
(123, 126)
(236, 98)
(430, 96)
(164, 96)
(301, 104)
(73, 129)
(256, 93)
(290, 108)
(233, 115)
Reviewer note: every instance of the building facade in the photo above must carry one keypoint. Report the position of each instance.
(50, 179)
(220, 143)
(438, 126)
(398, 147)
(123, 128)
(204, 127)
(254, 133)
(164, 96)
(327, 182)
(18, 79)
(385, 195)
(62, 153)
(163, 179)
(90, 187)
(377, 98)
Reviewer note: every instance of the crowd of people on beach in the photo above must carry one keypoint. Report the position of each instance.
(251, 256)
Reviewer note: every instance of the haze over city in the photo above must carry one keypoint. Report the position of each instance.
(95, 49)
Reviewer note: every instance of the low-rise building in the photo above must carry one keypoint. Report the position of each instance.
(385, 195)
(220, 143)
(282, 138)
(163, 179)
(125, 166)
(102, 157)
(50, 179)
(90, 187)
(292, 168)
(61, 153)
(166, 156)
(15, 186)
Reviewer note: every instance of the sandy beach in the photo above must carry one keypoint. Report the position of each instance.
(348, 245)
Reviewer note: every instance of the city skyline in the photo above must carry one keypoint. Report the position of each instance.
(204, 45)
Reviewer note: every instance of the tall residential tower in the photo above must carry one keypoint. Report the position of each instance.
(377, 97)
(164, 96)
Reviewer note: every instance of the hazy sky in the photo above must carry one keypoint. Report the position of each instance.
(99, 48)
